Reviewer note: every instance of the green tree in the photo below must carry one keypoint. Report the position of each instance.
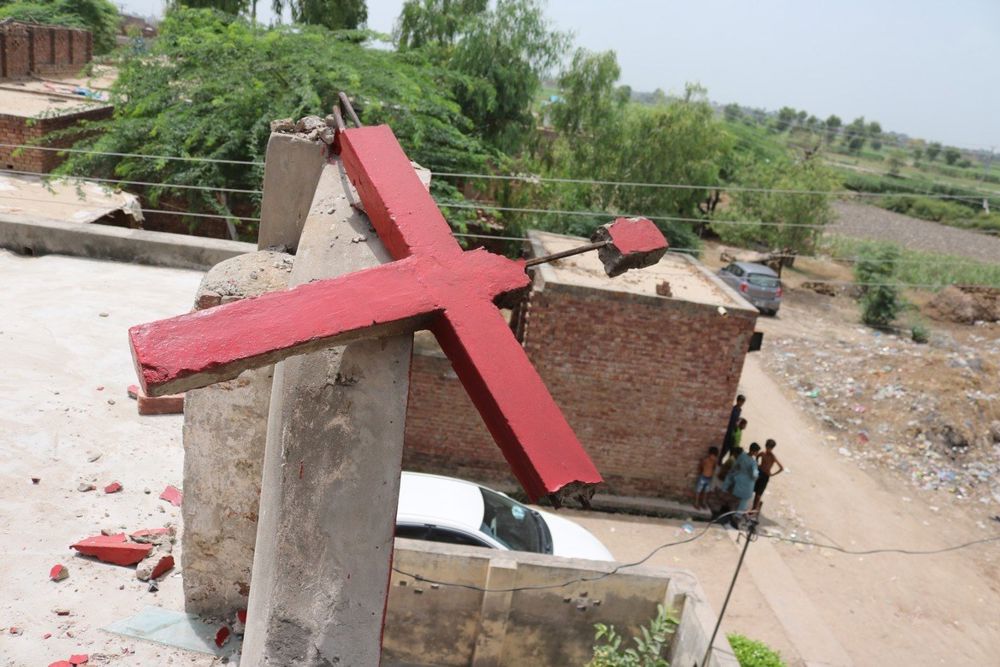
(786, 116)
(875, 273)
(875, 134)
(933, 150)
(334, 14)
(918, 154)
(588, 92)
(951, 155)
(777, 219)
(212, 83)
(854, 135)
(833, 124)
(895, 162)
(732, 112)
(98, 16)
(498, 55)
(435, 22)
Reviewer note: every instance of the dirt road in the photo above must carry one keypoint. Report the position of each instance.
(882, 609)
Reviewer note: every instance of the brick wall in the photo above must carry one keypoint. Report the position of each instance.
(27, 48)
(21, 130)
(646, 383)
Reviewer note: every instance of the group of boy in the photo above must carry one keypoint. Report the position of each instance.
(743, 475)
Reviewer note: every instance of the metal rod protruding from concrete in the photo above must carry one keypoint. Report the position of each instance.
(566, 253)
(345, 102)
(338, 119)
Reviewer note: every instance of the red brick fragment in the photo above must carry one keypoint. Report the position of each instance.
(113, 549)
(160, 405)
(58, 572)
(133, 391)
(222, 636)
(61, 663)
(162, 567)
(79, 659)
(113, 487)
(14, 630)
(172, 495)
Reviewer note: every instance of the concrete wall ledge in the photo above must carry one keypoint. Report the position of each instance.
(95, 241)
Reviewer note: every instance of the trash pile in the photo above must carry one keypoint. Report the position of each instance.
(928, 413)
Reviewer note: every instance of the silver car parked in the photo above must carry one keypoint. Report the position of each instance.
(756, 283)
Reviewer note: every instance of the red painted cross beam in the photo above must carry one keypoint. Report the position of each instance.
(432, 284)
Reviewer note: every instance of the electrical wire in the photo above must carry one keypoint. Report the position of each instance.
(890, 550)
(144, 210)
(135, 155)
(140, 183)
(578, 580)
(531, 178)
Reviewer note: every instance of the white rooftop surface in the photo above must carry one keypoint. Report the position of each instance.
(58, 352)
(585, 270)
(28, 198)
(53, 96)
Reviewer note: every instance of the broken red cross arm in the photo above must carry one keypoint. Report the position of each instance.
(432, 284)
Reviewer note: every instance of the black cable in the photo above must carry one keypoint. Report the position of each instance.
(578, 580)
(867, 552)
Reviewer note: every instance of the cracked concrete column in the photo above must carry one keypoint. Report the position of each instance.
(331, 471)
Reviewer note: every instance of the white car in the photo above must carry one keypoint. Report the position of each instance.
(445, 509)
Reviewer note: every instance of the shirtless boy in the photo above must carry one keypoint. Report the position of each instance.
(766, 464)
(706, 470)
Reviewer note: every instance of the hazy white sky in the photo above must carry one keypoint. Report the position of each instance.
(924, 67)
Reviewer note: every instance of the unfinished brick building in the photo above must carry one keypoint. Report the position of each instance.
(645, 380)
(31, 48)
(31, 108)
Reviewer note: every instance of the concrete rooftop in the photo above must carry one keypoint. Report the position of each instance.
(689, 280)
(30, 198)
(54, 96)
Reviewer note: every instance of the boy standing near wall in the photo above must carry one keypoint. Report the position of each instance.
(705, 473)
(767, 461)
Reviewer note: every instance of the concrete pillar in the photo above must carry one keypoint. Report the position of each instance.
(493, 614)
(291, 172)
(225, 427)
(331, 471)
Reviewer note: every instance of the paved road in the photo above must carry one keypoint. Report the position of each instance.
(871, 222)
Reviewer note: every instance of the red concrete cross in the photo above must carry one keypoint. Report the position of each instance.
(432, 284)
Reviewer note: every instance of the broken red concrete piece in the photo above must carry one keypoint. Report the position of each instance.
(222, 636)
(113, 549)
(14, 630)
(165, 564)
(113, 487)
(58, 572)
(61, 663)
(172, 495)
(79, 659)
(634, 244)
(241, 616)
(151, 535)
(133, 391)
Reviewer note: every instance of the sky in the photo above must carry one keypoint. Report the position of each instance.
(927, 68)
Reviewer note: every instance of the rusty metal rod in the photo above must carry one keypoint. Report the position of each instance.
(566, 253)
(345, 102)
(338, 119)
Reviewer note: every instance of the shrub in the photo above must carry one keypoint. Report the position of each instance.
(919, 333)
(608, 651)
(753, 653)
(875, 272)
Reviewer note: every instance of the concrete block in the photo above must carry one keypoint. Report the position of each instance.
(172, 404)
(292, 169)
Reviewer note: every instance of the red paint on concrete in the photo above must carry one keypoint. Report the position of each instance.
(222, 636)
(241, 616)
(432, 284)
(113, 487)
(113, 549)
(172, 495)
(163, 566)
(636, 235)
(79, 659)
(58, 572)
(61, 663)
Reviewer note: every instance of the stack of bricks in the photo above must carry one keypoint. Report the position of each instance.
(29, 48)
(646, 382)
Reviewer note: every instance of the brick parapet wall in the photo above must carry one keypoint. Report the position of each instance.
(21, 130)
(27, 49)
(646, 382)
